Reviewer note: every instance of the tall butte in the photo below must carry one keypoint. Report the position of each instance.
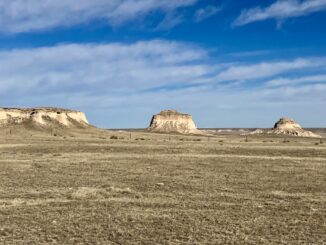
(43, 117)
(172, 121)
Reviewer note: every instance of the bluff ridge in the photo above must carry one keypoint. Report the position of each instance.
(43, 116)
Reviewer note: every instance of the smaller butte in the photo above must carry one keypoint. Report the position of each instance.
(289, 127)
(172, 121)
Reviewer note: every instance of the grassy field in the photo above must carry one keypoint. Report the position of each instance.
(161, 189)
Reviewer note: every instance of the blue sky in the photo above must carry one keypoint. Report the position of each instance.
(228, 63)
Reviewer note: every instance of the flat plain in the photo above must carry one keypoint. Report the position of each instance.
(105, 187)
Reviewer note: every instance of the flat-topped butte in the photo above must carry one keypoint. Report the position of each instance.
(172, 121)
(43, 116)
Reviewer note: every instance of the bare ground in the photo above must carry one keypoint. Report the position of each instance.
(160, 189)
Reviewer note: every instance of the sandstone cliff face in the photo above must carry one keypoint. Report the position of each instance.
(42, 116)
(171, 121)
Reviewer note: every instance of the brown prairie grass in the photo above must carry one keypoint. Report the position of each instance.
(88, 189)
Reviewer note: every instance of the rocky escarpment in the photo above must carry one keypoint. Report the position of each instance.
(42, 117)
(289, 127)
(171, 121)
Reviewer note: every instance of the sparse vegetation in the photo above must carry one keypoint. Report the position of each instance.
(114, 137)
(140, 139)
(83, 190)
(286, 141)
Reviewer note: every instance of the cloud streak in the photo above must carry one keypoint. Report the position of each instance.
(296, 81)
(267, 69)
(18, 16)
(99, 68)
(207, 12)
(154, 65)
(280, 10)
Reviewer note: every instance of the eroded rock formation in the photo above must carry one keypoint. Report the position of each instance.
(171, 121)
(42, 117)
(286, 126)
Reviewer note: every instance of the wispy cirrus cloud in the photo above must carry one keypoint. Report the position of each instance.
(207, 12)
(153, 65)
(18, 16)
(278, 82)
(267, 69)
(100, 68)
(280, 10)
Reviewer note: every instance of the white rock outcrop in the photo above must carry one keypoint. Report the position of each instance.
(287, 126)
(172, 121)
(42, 116)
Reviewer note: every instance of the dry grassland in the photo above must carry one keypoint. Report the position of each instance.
(161, 189)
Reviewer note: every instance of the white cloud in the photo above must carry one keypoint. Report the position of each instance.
(18, 16)
(204, 13)
(280, 10)
(295, 81)
(171, 20)
(131, 68)
(297, 93)
(115, 82)
(102, 68)
(267, 69)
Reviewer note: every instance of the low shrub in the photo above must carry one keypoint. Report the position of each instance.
(140, 139)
